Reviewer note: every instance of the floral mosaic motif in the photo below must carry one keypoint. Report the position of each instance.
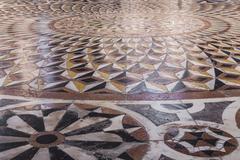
(201, 141)
(119, 51)
(54, 128)
(89, 132)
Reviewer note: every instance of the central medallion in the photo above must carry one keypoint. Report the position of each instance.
(46, 139)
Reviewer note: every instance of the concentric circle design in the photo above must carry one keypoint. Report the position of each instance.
(200, 141)
(130, 25)
(124, 47)
(80, 7)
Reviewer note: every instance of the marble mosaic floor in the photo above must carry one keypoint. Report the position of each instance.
(119, 79)
(54, 129)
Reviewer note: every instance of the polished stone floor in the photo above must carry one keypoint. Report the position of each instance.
(119, 79)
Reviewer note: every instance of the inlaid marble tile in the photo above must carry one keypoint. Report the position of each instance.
(138, 130)
(86, 79)
(119, 47)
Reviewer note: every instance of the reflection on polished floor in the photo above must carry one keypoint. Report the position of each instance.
(119, 79)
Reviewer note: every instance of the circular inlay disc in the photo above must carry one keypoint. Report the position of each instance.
(46, 139)
(200, 141)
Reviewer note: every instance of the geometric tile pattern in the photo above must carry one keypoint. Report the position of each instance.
(53, 128)
(70, 131)
(122, 47)
(201, 141)
(4, 102)
(108, 49)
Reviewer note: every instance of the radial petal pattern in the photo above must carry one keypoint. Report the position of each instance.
(119, 79)
(78, 130)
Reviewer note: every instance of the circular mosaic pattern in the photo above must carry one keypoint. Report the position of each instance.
(139, 19)
(125, 19)
(70, 131)
(124, 47)
(121, 19)
(130, 25)
(80, 7)
(200, 141)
